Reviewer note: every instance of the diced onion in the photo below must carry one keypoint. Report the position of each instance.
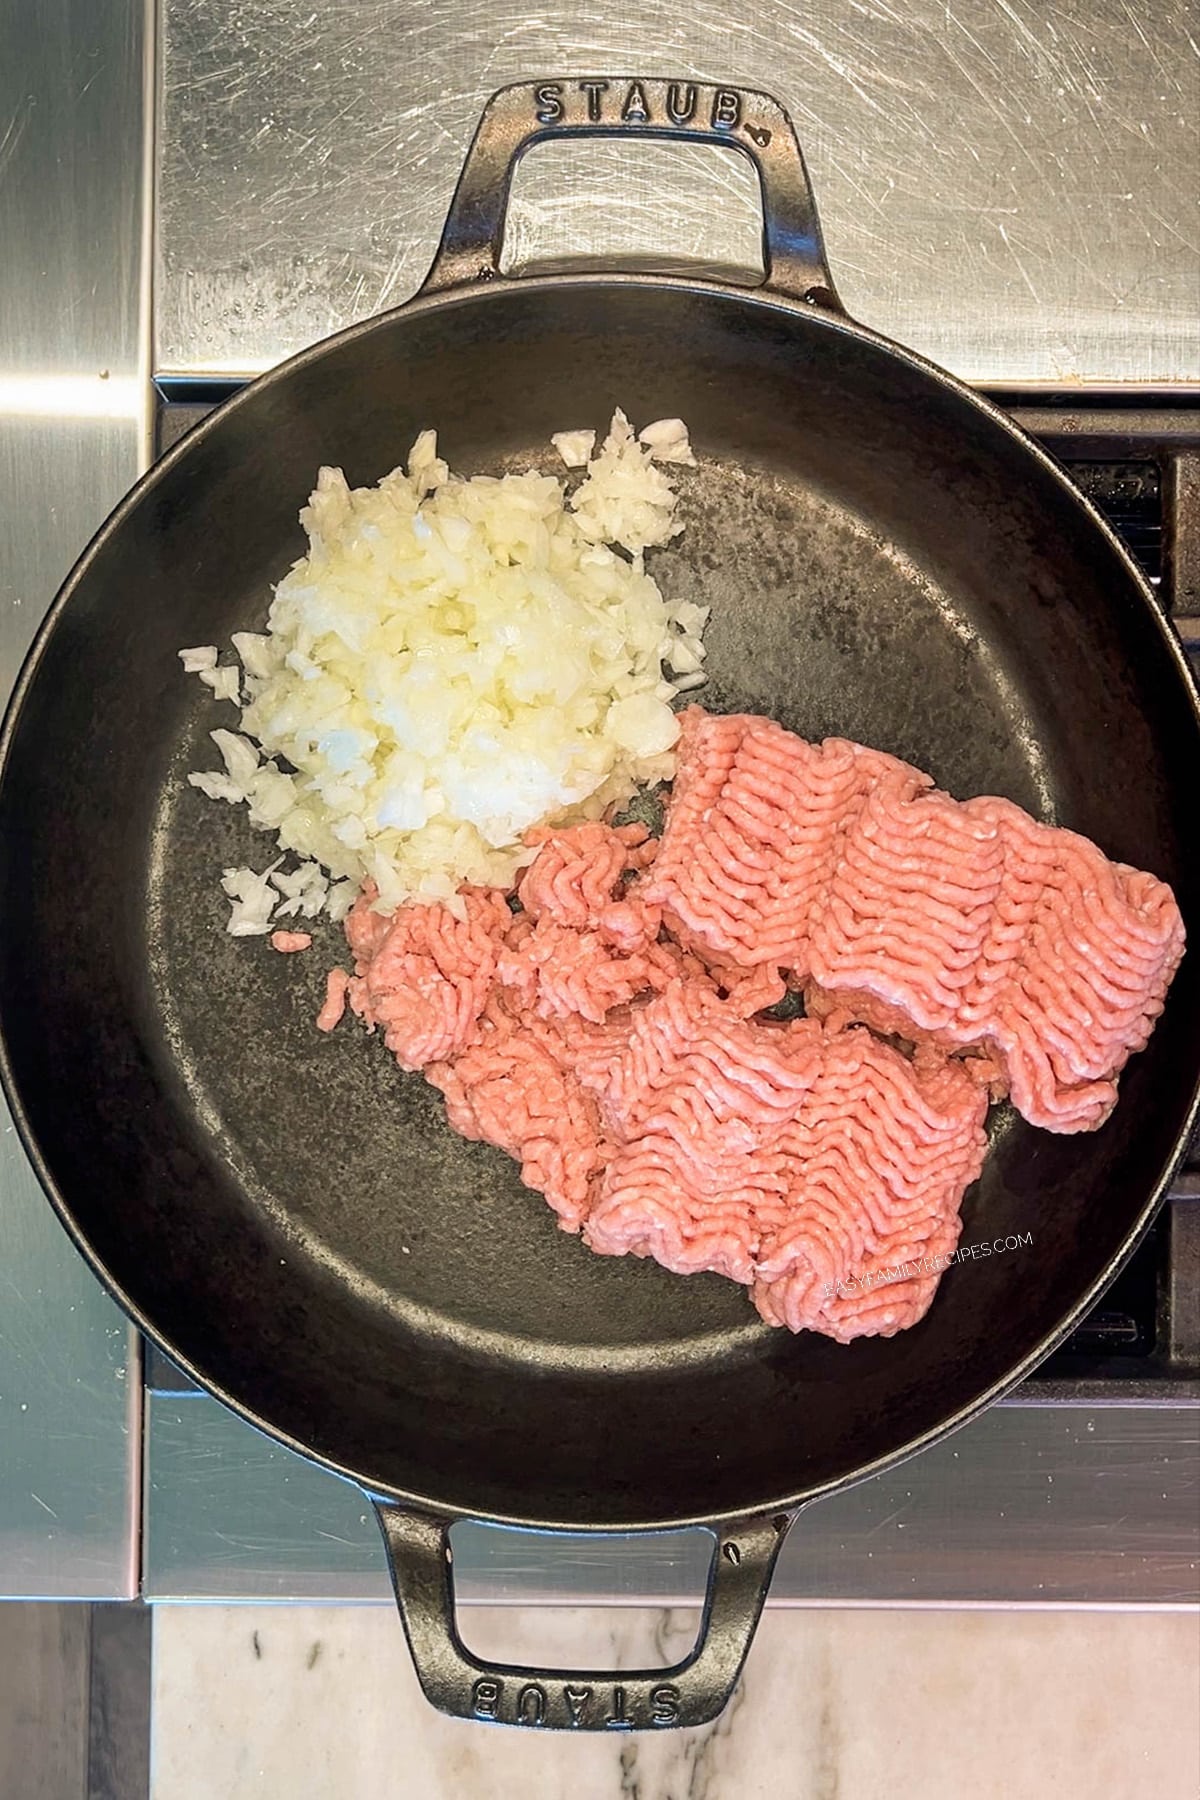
(453, 663)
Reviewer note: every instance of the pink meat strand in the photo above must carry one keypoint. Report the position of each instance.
(288, 942)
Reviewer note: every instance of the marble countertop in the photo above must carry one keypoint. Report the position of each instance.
(316, 1702)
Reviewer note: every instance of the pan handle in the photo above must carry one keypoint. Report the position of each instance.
(529, 112)
(689, 1693)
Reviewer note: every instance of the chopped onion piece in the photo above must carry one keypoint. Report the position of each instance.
(256, 652)
(216, 786)
(238, 754)
(341, 898)
(203, 656)
(575, 447)
(667, 441)
(685, 656)
(689, 617)
(225, 683)
(643, 724)
(251, 900)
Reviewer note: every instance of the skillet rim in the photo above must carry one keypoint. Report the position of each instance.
(451, 299)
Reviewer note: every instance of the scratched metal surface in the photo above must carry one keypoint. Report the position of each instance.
(1008, 187)
(73, 407)
(1027, 1506)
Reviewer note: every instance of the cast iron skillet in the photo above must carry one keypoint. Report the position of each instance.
(887, 559)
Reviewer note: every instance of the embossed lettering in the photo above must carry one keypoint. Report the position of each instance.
(577, 1699)
(726, 109)
(549, 102)
(617, 1718)
(593, 90)
(485, 1698)
(681, 102)
(635, 110)
(664, 1705)
(531, 1705)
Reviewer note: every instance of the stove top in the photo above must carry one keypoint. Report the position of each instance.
(1008, 189)
(193, 189)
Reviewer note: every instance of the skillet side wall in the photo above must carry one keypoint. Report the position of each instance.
(996, 638)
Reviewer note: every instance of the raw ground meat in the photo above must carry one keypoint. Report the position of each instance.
(288, 942)
(967, 925)
(609, 1033)
(786, 1156)
(422, 974)
(516, 1087)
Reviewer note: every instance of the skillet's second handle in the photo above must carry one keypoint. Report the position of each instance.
(689, 1693)
(624, 106)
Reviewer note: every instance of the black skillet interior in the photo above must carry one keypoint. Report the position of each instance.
(287, 1212)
